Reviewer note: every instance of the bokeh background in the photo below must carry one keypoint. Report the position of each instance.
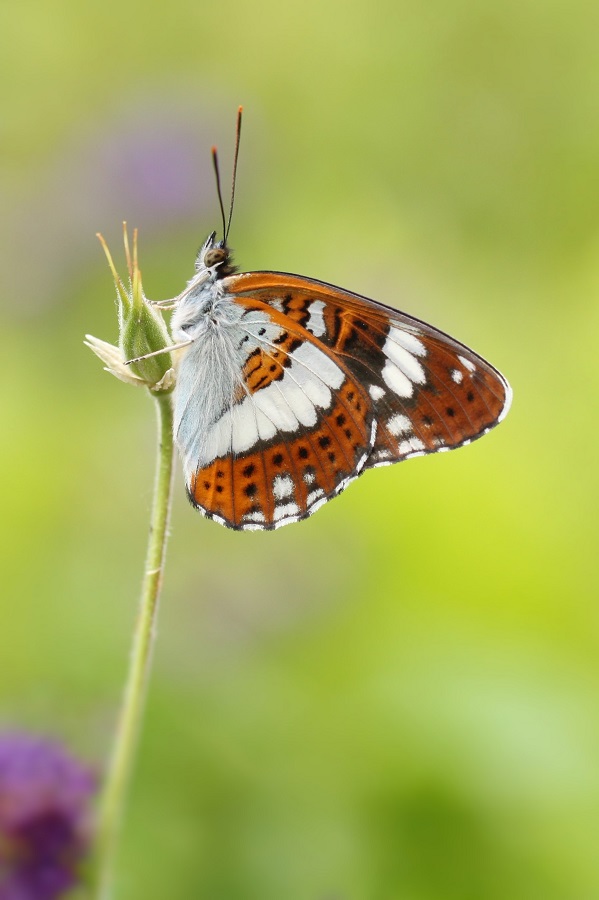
(399, 698)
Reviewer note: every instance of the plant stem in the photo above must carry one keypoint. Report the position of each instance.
(125, 742)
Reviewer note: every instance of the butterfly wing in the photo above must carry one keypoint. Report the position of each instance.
(314, 385)
(428, 392)
(285, 435)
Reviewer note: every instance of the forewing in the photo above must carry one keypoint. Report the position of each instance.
(429, 392)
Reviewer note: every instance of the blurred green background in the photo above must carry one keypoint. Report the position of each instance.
(399, 698)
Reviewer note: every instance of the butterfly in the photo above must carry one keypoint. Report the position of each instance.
(289, 388)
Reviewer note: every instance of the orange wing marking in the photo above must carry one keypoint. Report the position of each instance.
(242, 490)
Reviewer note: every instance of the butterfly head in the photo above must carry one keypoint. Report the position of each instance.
(215, 255)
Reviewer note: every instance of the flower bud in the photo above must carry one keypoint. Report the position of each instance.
(142, 332)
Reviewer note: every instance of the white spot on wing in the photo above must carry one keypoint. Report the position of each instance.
(411, 445)
(290, 509)
(244, 427)
(218, 440)
(399, 424)
(266, 428)
(396, 380)
(315, 323)
(269, 401)
(296, 397)
(466, 362)
(239, 429)
(313, 496)
(320, 364)
(457, 376)
(282, 487)
(407, 341)
(315, 390)
(403, 359)
(254, 517)
(376, 392)
(318, 503)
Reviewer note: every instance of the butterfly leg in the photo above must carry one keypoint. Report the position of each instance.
(200, 279)
(158, 352)
(165, 304)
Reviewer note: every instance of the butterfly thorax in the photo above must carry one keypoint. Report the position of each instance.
(203, 309)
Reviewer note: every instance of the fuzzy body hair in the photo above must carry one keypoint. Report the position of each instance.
(209, 379)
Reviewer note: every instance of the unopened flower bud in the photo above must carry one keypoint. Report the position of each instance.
(142, 332)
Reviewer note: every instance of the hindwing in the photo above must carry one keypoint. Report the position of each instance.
(296, 429)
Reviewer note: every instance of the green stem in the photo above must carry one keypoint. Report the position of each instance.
(129, 724)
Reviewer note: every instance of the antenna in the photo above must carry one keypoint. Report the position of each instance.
(218, 190)
(227, 223)
(237, 139)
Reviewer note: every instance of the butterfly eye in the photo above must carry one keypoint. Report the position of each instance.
(215, 256)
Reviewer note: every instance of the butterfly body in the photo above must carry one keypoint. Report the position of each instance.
(290, 388)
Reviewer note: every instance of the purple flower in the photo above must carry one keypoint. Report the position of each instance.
(44, 819)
